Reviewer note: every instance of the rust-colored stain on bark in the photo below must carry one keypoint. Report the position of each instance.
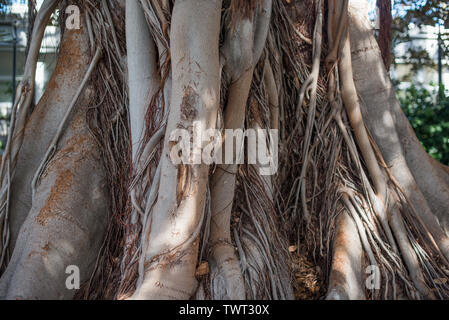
(70, 58)
(79, 145)
(76, 148)
(202, 269)
(44, 253)
(183, 188)
(59, 188)
(46, 247)
(71, 62)
(65, 164)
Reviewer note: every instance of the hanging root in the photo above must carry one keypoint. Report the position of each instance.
(309, 88)
(242, 49)
(107, 117)
(262, 245)
(225, 267)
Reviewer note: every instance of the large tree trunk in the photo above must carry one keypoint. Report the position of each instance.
(89, 177)
(62, 221)
(401, 150)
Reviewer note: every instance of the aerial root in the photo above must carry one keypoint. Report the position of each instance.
(346, 271)
(310, 88)
(385, 200)
(224, 262)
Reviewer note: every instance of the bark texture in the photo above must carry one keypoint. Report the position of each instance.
(89, 176)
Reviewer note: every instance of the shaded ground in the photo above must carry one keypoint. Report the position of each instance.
(309, 278)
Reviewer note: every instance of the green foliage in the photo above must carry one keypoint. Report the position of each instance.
(427, 12)
(429, 116)
(8, 89)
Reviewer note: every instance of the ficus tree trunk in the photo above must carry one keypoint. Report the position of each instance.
(89, 180)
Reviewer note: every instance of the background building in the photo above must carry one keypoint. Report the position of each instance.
(424, 39)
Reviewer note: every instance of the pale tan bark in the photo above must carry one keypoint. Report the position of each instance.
(379, 106)
(41, 127)
(67, 219)
(225, 264)
(172, 242)
(346, 278)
